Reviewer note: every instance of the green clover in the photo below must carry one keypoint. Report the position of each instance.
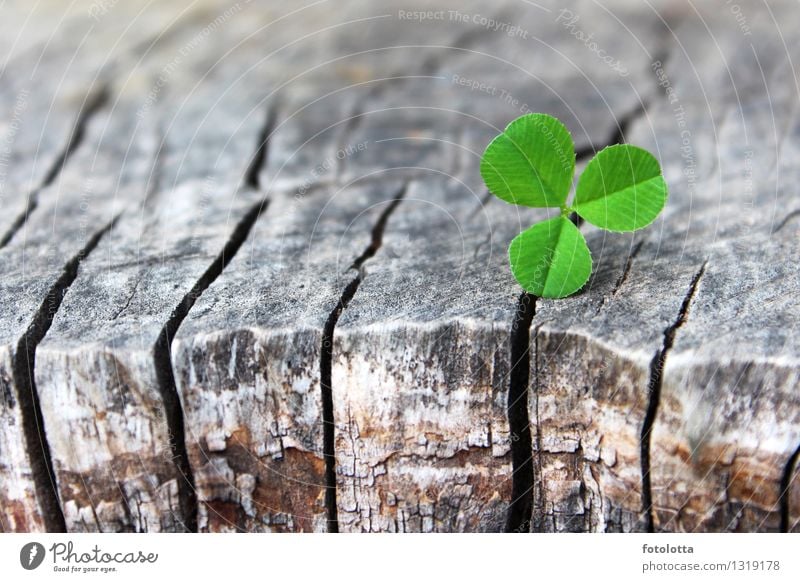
(532, 164)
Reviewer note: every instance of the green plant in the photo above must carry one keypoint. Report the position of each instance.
(532, 163)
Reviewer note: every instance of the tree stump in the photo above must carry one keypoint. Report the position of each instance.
(254, 282)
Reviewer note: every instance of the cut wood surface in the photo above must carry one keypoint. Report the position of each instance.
(252, 280)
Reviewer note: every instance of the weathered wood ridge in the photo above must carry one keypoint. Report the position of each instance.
(252, 279)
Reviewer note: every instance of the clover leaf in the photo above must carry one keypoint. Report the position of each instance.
(551, 258)
(621, 189)
(532, 164)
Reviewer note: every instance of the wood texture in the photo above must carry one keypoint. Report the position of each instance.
(253, 281)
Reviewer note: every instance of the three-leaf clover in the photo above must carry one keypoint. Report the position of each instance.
(532, 163)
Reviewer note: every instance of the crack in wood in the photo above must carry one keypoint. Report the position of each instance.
(576, 219)
(251, 177)
(24, 364)
(598, 484)
(165, 374)
(628, 264)
(654, 394)
(377, 233)
(617, 136)
(326, 360)
(485, 199)
(187, 496)
(520, 508)
(623, 277)
(93, 103)
(786, 220)
(538, 492)
(130, 296)
(786, 484)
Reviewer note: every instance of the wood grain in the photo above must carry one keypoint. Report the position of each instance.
(253, 281)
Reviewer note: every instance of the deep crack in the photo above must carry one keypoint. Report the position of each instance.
(654, 394)
(520, 509)
(326, 361)
(24, 365)
(187, 497)
(165, 374)
(93, 103)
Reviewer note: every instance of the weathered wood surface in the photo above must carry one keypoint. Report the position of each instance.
(252, 280)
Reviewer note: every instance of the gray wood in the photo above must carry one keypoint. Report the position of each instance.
(199, 196)
(726, 225)
(104, 174)
(739, 343)
(475, 474)
(280, 298)
(53, 214)
(55, 73)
